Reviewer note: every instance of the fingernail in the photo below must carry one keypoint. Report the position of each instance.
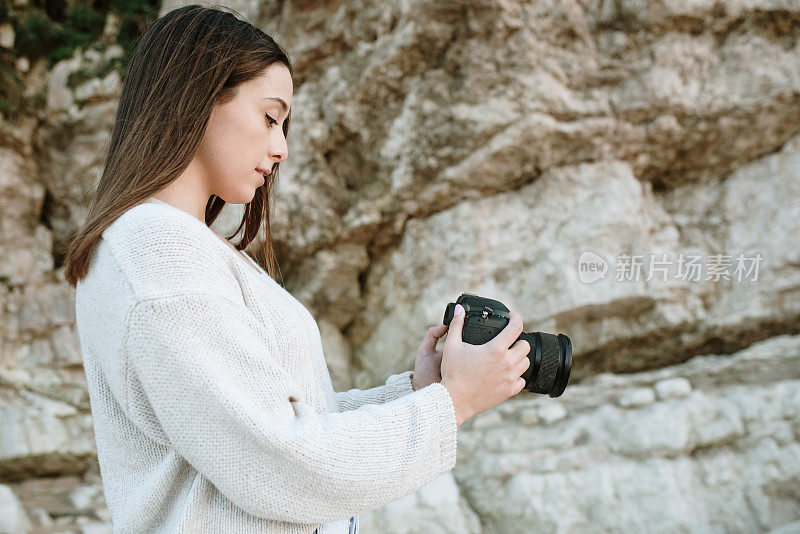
(459, 310)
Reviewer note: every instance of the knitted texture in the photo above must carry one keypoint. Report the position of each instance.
(212, 404)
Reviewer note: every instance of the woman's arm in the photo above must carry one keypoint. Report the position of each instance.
(427, 369)
(396, 386)
(208, 369)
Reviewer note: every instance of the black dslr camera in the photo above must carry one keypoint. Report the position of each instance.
(550, 356)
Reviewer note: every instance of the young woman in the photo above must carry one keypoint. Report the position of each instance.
(212, 403)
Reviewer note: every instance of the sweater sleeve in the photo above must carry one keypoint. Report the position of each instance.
(396, 386)
(209, 370)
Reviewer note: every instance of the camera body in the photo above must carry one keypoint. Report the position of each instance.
(550, 355)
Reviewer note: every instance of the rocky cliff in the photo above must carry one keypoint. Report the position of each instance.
(495, 148)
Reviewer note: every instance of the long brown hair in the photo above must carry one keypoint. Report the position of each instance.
(187, 60)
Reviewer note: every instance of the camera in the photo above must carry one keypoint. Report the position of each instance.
(550, 355)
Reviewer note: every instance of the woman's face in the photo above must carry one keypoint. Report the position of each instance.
(246, 134)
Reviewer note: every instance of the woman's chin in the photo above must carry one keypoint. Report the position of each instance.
(239, 197)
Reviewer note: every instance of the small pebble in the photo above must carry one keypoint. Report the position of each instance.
(552, 412)
(97, 528)
(672, 388)
(487, 419)
(41, 517)
(528, 417)
(82, 496)
(636, 398)
(103, 514)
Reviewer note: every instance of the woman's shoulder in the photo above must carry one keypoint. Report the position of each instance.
(161, 249)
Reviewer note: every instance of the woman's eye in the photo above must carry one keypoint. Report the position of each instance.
(271, 120)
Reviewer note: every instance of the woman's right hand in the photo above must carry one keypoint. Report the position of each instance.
(479, 377)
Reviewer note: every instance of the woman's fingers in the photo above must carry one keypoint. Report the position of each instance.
(522, 366)
(432, 336)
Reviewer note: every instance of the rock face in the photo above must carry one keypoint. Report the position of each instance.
(711, 445)
(509, 149)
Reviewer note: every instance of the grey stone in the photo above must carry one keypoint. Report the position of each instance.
(96, 527)
(552, 412)
(672, 388)
(13, 519)
(788, 528)
(637, 397)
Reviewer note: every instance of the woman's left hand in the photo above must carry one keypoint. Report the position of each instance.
(428, 361)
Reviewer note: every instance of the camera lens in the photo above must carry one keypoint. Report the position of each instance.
(551, 362)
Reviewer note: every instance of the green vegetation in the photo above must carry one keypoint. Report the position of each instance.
(135, 17)
(55, 30)
(38, 36)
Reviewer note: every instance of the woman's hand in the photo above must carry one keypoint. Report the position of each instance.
(428, 361)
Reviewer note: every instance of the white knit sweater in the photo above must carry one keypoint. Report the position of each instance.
(212, 403)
